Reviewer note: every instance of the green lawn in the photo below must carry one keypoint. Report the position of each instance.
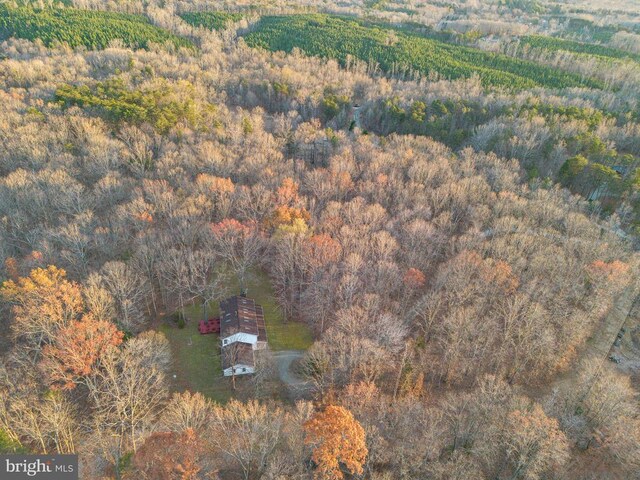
(196, 361)
(281, 335)
(196, 358)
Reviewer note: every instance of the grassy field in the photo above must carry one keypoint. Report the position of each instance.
(196, 358)
(281, 335)
(196, 361)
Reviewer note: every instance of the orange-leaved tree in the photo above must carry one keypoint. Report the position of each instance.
(43, 302)
(535, 444)
(337, 438)
(169, 456)
(77, 349)
(414, 279)
(320, 250)
(284, 215)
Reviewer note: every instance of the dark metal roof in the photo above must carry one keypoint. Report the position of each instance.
(262, 327)
(239, 315)
(238, 353)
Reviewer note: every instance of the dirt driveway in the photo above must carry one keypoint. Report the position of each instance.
(298, 386)
(600, 345)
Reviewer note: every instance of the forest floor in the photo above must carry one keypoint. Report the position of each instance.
(196, 358)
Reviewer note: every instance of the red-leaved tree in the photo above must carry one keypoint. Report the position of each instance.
(77, 349)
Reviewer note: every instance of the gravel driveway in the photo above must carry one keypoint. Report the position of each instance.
(284, 360)
(297, 386)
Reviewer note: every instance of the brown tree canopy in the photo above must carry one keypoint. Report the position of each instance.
(422, 236)
(77, 349)
(169, 456)
(534, 444)
(43, 302)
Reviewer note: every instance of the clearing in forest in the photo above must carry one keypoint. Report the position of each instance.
(196, 358)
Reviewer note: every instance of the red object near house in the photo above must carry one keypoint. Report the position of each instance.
(210, 326)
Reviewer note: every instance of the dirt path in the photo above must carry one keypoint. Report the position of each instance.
(600, 345)
(627, 351)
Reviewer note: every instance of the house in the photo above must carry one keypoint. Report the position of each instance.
(242, 331)
(238, 359)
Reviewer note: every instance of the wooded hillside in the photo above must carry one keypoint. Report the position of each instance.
(445, 265)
